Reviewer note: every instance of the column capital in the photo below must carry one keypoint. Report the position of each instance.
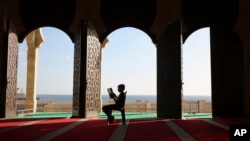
(104, 43)
(35, 39)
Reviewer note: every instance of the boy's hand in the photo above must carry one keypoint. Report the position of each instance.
(112, 95)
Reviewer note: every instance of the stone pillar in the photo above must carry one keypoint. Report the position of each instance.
(103, 45)
(34, 41)
(169, 81)
(247, 77)
(8, 68)
(227, 72)
(242, 28)
(93, 73)
(87, 70)
(80, 83)
(3, 61)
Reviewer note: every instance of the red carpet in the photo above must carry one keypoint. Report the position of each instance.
(13, 122)
(202, 130)
(98, 130)
(229, 122)
(91, 130)
(149, 130)
(32, 132)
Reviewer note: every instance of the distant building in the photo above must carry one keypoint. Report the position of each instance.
(138, 106)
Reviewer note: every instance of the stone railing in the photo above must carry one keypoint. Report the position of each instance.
(200, 106)
(138, 106)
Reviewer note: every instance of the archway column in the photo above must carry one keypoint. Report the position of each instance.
(3, 62)
(227, 72)
(80, 67)
(87, 72)
(8, 68)
(242, 28)
(34, 41)
(247, 76)
(169, 81)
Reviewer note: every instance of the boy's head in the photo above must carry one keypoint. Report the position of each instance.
(121, 87)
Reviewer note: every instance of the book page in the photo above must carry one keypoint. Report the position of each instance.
(110, 91)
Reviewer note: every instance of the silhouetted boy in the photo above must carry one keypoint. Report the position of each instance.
(119, 103)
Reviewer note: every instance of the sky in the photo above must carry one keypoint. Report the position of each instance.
(129, 58)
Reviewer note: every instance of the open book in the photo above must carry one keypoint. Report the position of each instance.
(110, 92)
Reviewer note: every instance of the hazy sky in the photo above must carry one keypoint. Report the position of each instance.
(129, 58)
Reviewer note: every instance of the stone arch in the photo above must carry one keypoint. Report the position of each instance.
(127, 42)
(48, 13)
(35, 40)
(201, 14)
(128, 13)
(197, 70)
(135, 28)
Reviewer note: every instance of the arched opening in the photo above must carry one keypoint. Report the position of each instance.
(53, 84)
(130, 58)
(197, 75)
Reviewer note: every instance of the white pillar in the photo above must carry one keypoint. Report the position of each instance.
(103, 45)
(34, 41)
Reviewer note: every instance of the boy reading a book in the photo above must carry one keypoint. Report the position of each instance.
(119, 103)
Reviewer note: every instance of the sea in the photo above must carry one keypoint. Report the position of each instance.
(129, 98)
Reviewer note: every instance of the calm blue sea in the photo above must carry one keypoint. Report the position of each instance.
(129, 98)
